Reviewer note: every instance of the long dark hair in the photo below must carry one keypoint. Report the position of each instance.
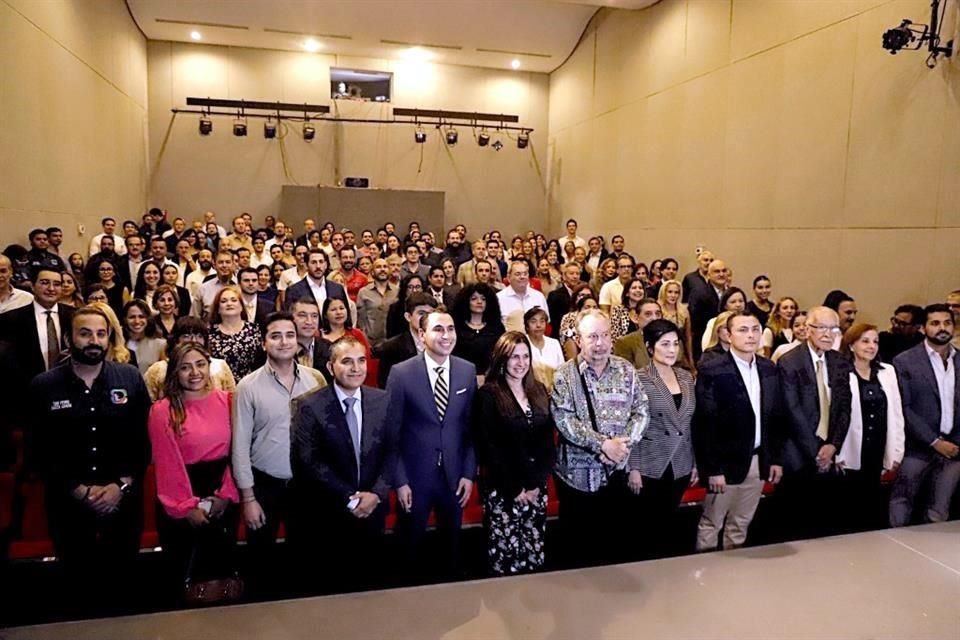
(150, 331)
(405, 284)
(497, 376)
(171, 384)
(461, 305)
(325, 322)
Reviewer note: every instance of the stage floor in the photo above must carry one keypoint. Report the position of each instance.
(898, 584)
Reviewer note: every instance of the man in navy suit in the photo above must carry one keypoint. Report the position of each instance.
(930, 389)
(315, 285)
(735, 435)
(343, 454)
(431, 396)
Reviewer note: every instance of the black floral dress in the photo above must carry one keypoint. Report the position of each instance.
(242, 350)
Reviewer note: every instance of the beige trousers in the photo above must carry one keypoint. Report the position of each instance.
(731, 511)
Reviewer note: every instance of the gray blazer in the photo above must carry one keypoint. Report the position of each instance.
(667, 438)
(921, 400)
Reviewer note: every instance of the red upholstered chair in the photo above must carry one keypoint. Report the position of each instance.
(34, 540)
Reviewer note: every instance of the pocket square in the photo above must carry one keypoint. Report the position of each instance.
(464, 390)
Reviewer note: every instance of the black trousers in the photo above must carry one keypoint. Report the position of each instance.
(595, 526)
(431, 493)
(275, 496)
(863, 501)
(97, 552)
(809, 504)
(655, 514)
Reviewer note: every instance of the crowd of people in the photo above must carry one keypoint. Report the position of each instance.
(274, 377)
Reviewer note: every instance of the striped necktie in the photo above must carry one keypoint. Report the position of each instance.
(440, 393)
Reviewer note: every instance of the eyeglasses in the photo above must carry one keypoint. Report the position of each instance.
(822, 328)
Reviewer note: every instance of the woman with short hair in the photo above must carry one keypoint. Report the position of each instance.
(546, 353)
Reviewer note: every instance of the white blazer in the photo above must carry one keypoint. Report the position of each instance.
(849, 456)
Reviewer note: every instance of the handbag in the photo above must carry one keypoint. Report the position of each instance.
(207, 592)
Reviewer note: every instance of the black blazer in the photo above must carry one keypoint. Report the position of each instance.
(393, 351)
(921, 400)
(692, 282)
(514, 454)
(801, 405)
(724, 427)
(704, 304)
(558, 304)
(302, 290)
(321, 449)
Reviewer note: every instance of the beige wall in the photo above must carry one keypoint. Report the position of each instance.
(777, 132)
(73, 103)
(229, 175)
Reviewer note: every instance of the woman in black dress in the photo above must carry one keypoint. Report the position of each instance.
(514, 434)
(476, 313)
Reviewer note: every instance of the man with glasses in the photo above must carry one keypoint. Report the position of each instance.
(735, 435)
(519, 297)
(611, 293)
(601, 410)
(817, 399)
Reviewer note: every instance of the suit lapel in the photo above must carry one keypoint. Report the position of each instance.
(927, 368)
(338, 419)
(373, 417)
(423, 382)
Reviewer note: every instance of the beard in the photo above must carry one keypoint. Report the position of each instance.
(940, 338)
(205, 265)
(89, 355)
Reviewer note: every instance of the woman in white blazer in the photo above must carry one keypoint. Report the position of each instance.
(875, 441)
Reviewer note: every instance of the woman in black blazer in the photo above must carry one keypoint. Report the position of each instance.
(662, 464)
(515, 447)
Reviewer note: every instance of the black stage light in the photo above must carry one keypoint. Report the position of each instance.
(452, 136)
(309, 132)
(269, 130)
(483, 139)
(240, 128)
(420, 136)
(206, 126)
(523, 140)
(897, 38)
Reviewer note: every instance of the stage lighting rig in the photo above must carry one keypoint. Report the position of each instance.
(911, 36)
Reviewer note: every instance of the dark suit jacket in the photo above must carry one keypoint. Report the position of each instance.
(801, 406)
(302, 290)
(25, 360)
(921, 400)
(724, 428)
(391, 352)
(558, 305)
(321, 448)
(423, 435)
(704, 304)
(692, 281)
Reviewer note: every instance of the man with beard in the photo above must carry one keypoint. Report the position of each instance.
(88, 427)
(928, 388)
(351, 278)
(109, 226)
(201, 274)
(129, 265)
(455, 249)
(373, 303)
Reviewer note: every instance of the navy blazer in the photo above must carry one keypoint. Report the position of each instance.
(422, 435)
(321, 448)
(18, 328)
(921, 400)
(724, 427)
(302, 289)
(802, 405)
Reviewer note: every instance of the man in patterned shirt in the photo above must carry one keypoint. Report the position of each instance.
(601, 411)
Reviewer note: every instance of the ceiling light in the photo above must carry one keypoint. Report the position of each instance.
(515, 63)
(206, 126)
(309, 132)
(239, 127)
(420, 136)
(311, 45)
(416, 54)
(523, 140)
(269, 129)
(452, 136)
(483, 139)
(195, 35)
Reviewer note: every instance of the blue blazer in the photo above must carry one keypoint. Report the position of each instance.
(423, 436)
(921, 400)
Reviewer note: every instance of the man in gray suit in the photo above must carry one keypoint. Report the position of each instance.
(928, 386)
(431, 397)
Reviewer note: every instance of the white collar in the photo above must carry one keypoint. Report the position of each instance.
(343, 395)
(40, 311)
(930, 352)
(432, 364)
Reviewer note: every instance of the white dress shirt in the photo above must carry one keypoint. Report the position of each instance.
(357, 410)
(289, 278)
(433, 375)
(611, 293)
(513, 306)
(551, 356)
(17, 298)
(946, 385)
(751, 380)
(319, 290)
(41, 318)
(119, 245)
(250, 304)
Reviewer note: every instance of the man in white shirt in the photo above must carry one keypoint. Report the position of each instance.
(10, 297)
(611, 293)
(295, 274)
(199, 275)
(572, 236)
(260, 255)
(595, 253)
(109, 227)
(209, 289)
(519, 297)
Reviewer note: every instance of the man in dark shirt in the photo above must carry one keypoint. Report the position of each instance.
(89, 439)
(906, 331)
(38, 257)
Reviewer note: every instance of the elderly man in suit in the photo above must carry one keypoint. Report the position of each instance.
(735, 434)
(343, 454)
(817, 401)
(432, 398)
(931, 409)
(704, 302)
(315, 286)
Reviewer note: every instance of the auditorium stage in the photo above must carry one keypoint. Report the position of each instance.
(898, 584)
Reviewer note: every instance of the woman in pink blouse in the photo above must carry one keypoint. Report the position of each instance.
(190, 434)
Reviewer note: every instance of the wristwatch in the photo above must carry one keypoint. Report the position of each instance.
(125, 487)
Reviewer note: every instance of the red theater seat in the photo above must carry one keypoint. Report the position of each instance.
(34, 540)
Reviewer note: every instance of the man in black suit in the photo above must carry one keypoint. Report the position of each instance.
(257, 308)
(343, 456)
(735, 434)
(438, 288)
(315, 286)
(930, 390)
(431, 402)
(697, 279)
(306, 318)
(558, 301)
(705, 303)
(35, 335)
(817, 398)
(408, 343)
